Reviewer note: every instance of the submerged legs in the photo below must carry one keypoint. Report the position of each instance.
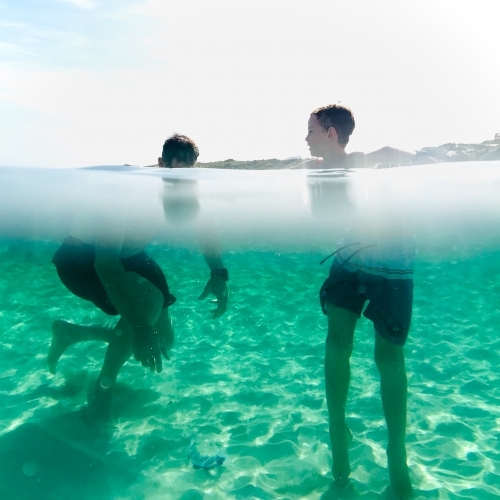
(393, 388)
(119, 340)
(117, 353)
(393, 384)
(341, 324)
(65, 334)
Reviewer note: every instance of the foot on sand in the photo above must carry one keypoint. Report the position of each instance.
(399, 474)
(99, 399)
(61, 340)
(341, 468)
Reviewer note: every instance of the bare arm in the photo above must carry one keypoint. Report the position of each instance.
(210, 248)
(181, 207)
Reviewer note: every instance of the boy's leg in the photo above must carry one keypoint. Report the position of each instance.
(65, 334)
(120, 344)
(117, 353)
(390, 362)
(339, 342)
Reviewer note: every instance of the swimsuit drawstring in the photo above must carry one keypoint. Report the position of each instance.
(348, 258)
(352, 255)
(337, 251)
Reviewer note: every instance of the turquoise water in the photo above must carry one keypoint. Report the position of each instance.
(248, 385)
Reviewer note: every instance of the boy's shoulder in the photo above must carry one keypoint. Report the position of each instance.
(356, 160)
(385, 155)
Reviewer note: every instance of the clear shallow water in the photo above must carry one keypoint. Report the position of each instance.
(250, 384)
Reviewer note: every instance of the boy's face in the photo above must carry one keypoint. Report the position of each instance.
(174, 164)
(318, 139)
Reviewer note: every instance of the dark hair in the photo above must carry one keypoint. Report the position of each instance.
(180, 148)
(339, 117)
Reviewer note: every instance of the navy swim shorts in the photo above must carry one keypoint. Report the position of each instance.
(389, 300)
(75, 265)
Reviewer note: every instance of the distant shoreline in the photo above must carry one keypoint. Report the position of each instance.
(451, 152)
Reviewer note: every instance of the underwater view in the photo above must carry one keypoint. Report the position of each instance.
(239, 409)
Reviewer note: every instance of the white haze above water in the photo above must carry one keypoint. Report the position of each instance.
(87, 82)
(445, 207)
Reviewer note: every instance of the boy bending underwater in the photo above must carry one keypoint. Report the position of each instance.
(374, 264)
(112, 271)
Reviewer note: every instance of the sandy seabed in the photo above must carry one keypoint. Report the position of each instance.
(249, 385)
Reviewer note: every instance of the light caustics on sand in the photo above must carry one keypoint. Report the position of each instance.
(456, 204)
(251, 383)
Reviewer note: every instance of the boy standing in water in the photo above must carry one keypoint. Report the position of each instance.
(329, 144)
(369, 266)
(112, 271)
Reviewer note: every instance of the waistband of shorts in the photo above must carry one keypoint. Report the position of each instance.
(384, 272)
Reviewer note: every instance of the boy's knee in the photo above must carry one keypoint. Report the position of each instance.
(389, 360)
(338, 345)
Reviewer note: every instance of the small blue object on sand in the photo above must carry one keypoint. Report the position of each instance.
(207, 462)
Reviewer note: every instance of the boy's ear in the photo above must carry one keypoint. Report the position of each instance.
(161, 163)
(332, 133)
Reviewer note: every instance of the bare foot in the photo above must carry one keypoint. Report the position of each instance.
(61, 340)
(341, 468)
(399, 474)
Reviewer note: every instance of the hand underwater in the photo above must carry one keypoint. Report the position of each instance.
(216, 285)
(146, 346)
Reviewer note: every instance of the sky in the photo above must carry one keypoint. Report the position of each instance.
(94, 82)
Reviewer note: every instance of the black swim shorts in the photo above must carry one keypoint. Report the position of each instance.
(75, 265)
(390, 300)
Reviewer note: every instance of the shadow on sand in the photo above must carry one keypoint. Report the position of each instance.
(62, 458)
(356, 490)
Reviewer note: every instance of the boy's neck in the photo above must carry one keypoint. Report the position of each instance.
(334, 158)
